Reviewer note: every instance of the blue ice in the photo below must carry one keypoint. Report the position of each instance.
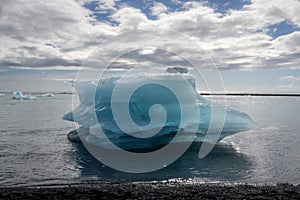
(19, 95)
(95, 111)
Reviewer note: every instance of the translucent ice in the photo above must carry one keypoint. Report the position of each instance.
(46, 95)
(19, 95)
(49, 95)
(98, 111)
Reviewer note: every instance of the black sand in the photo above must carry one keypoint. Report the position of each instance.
(152, 191)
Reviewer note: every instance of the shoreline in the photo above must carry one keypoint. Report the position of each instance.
(152, 190)
(272, 94)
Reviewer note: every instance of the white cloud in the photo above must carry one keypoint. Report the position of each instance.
(289, 86)
(129, 18)
(237, 39)
(176, 2)
(69, 68)
(290, 78)
(192, 4)
(158, 8)
(275, 11)
(42, 32)
(106, 5)
(63, 32)
(290, 82)
(288, 43)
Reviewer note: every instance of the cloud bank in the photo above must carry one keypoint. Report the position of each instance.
(60, 34)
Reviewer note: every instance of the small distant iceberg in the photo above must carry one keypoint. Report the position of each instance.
(46, 95)
(2, 94)
(18, 95)
(49, 95)
(29, 97)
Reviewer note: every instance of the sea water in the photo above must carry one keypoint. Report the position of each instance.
(34, 148)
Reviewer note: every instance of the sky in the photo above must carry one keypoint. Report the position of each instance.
(254, 44)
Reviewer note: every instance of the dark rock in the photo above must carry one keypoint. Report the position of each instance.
(152, 191)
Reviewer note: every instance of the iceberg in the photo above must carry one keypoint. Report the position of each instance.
(49, 95)
(147, 107)
(46, 95)
(28, 97)
(18, 95)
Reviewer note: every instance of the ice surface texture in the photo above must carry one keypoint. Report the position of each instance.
(95, 111)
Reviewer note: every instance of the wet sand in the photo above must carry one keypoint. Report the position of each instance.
(152, 191)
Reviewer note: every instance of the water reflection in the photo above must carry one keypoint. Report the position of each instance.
(224, 163)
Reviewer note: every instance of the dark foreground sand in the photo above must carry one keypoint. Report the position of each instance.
(152, 191)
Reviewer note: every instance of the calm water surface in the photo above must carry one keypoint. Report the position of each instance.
(34, 148)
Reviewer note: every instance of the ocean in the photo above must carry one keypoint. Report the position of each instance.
(34, 149)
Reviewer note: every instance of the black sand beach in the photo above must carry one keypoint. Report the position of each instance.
(152, 191)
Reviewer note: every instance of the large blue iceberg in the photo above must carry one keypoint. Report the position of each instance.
(95, 111)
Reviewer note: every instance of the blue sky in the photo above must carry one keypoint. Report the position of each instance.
(255, 44)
